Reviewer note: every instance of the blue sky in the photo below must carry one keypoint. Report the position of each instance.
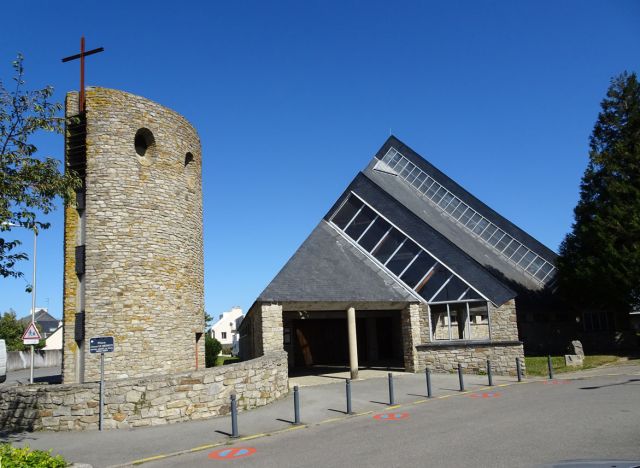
(292, 99)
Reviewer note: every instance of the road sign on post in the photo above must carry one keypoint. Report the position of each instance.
(31, 335)
(101, 344)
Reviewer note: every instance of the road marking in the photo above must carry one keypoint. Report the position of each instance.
(391, 416)
(148, 459)
(393, 407)
(417, 402)
(288, 429)
(204, 447)
(485, 395)
(232, 453)
(254, 436)
(332, 420)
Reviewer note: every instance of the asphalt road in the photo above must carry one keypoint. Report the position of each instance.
(40, 374)
(520, 425)
(585, 415)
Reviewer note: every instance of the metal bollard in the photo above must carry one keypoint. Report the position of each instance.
(489, 373)
(296, 405)
(550, 366)
(518, 369)
(234, 417)
(392, 400)
(428, 374)
(460, 378)
(349, 397)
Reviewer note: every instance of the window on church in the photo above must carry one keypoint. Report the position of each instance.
(347, 212)
(143, 140)
(459, 321)
(402, 257)
(531, 263)
(224, 335)
(360, 223)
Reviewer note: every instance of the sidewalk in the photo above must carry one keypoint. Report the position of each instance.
(319, 404)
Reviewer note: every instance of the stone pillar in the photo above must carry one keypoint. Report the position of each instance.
(503, 320)
(269, 323)
(353, 342)
(411, 337)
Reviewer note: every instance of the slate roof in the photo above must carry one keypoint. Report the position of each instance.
(328, 267)
(479, 251)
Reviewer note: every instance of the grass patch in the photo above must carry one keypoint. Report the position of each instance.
(222, 360)
(537, 365)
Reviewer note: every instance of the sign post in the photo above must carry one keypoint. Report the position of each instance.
(101, 344)
(31, 337)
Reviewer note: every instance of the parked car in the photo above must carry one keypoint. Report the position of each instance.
(3, 361)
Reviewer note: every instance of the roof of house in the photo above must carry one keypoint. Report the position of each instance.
(328, 266)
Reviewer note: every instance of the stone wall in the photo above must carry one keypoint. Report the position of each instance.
(261, 330)
(142, 232)
(473, 356)
(145, 401)
(411, 335)
(444, 355)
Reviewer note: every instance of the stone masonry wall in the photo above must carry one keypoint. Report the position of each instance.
(411, 335)
(473, 357)
(503, 320)
(145, 401)
(144, 277)
(272, 328)
(502, 349)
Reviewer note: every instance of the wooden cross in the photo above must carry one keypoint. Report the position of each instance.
(81, 56)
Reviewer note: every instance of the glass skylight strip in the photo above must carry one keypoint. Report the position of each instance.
(504, 244)
(413, 266)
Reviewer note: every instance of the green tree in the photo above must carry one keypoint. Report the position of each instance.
(29, 185)
(212, 348)
(11, 330)
(599, 263)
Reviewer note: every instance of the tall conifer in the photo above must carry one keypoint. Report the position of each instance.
(599, 264)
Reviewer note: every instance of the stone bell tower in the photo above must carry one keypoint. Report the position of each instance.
(133, 255)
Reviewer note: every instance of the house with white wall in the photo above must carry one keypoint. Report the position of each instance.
(225, 329)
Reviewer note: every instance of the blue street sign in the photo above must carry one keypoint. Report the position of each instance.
(101, 344)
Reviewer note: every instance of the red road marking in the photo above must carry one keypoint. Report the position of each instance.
(555, 382)
(232, 453)
(391, 416)
(485, 395)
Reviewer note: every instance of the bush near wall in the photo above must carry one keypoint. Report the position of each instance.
(14, 457)
(212, 348)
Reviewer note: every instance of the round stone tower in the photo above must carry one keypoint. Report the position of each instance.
(133, 239)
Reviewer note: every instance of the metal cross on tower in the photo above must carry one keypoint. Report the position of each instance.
(81, 56)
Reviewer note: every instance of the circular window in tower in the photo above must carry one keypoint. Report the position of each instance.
(144, 141)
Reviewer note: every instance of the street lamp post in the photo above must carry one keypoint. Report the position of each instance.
(33, 287)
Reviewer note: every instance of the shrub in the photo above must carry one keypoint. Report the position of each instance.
(212, 348)
(15, 457)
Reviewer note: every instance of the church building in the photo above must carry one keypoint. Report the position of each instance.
(407, 269)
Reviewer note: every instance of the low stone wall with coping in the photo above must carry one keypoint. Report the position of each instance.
(473, 356)
(146, 401)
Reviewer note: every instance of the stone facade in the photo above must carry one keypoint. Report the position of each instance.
(473, 356)
(141, 228)
(420, 351)
(411, 335)
(267, 329)
(502, 348)
(145, 401)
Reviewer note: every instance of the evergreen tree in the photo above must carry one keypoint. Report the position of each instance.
(599, 263)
